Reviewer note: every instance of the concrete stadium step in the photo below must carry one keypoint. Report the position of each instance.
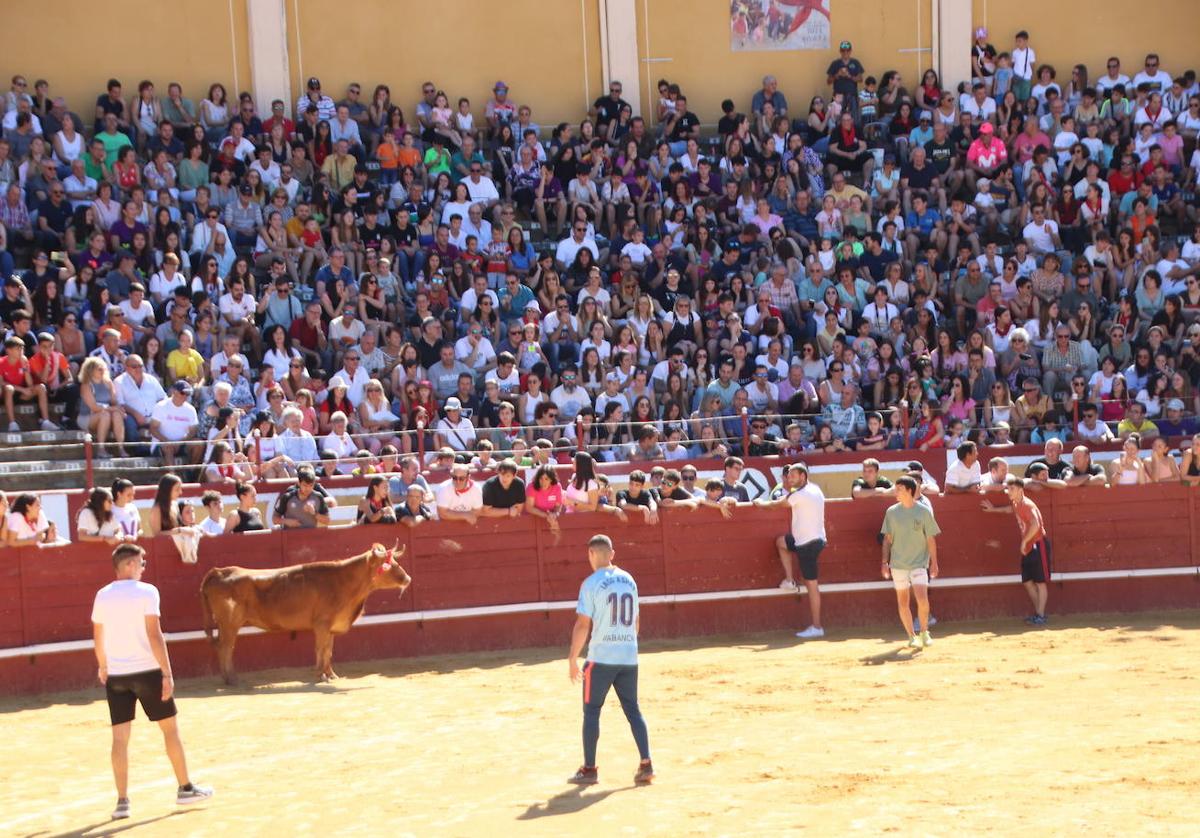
(16, 446)
(36, 474)
(29, 419)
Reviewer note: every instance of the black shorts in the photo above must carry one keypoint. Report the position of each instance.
(125, 691)
(806, 555)
(1035, 565)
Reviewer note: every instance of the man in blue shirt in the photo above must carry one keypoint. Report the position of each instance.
(608, 611)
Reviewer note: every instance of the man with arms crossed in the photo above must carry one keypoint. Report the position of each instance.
(910, 556)
(806, 539)
(1035, 547)
(134, 667)
(608, 610)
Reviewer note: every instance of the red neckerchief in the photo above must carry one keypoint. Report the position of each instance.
(849, 138)
(1006, 331)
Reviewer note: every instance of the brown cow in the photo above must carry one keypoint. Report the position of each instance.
(326, 597)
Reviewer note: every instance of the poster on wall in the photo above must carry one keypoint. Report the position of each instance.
(757, 25)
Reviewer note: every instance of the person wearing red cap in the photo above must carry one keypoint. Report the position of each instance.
(985, 156)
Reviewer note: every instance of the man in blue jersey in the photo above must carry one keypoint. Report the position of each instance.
(608, 611)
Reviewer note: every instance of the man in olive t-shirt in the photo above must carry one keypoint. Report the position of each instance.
(910, 556)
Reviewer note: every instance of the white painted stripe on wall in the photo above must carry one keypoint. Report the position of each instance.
(661, 599)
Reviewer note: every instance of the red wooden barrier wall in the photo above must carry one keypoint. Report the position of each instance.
(46, 595)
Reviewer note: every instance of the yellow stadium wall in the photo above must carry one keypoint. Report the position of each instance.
(78, 45)
(547, 52)
(1066, 34)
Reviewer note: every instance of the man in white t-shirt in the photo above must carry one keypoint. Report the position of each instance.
(1041, 234)
(1112, 78)
(805, 541)
(139, 314)
(1153, 75)
(564, 254)
(459, 498)
(134, 666)
(964, 474)
(173, 421)
(237, 309)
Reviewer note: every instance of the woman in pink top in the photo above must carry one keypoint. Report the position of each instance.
(959, 405)
(544, 496)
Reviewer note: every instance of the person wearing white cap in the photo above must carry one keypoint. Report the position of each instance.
(983, 58)
(454, 430)
(1175, 423)
(459, 498)
(612, 393)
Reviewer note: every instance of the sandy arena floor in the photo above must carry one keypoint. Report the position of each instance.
(1090, 727)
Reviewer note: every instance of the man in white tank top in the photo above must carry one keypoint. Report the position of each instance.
(134, 667)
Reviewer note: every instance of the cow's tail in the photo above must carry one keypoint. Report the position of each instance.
(206, 607)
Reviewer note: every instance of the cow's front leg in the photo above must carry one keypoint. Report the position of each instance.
(324, 648)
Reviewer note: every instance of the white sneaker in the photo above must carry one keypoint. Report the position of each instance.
(122, 811)
(787, 585)
(14, 428)
(932, 621)
(811, 633)
(47, 425)
(196, 794)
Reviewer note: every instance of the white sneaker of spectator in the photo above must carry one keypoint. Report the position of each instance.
(788, 585)
(811, 633)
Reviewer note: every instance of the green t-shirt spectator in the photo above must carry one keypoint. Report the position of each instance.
(437, 161)
(113, 143)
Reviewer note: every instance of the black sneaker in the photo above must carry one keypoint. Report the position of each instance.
(585, 776)
(192, 794)
(645, 773)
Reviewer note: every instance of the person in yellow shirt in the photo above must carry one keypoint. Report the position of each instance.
(185, 363)
(1135, 422)
(338, 167)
